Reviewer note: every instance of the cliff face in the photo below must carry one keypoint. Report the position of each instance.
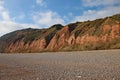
(61, 38)
(88, 35)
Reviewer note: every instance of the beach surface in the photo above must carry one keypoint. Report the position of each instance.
(80, 65)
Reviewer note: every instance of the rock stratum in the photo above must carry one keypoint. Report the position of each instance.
(99, 34)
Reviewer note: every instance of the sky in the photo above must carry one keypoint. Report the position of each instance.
(21, 14)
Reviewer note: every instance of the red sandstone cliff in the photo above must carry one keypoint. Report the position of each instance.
(97, 34)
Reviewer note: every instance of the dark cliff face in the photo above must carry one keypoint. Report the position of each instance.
(88, 35)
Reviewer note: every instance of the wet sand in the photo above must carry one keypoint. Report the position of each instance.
(82, 65)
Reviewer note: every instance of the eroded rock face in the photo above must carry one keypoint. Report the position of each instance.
(60, 39)
(72, 40)
(34, 46)
(54, 38)
(108, 33)
(64, 37)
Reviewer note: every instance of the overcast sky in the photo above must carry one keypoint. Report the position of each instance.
(19, 14)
